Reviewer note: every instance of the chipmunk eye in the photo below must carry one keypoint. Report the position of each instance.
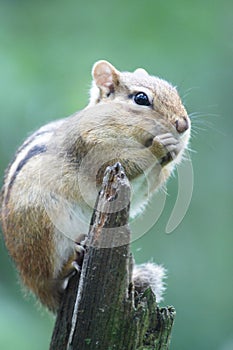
(142, 99)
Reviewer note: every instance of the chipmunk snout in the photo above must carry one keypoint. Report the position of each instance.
(182, 124)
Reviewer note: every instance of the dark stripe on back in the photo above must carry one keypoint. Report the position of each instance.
(24, 145)
(28, 141)
(31, 153)
(32, 138)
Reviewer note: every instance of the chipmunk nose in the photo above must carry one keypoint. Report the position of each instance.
(182, 124)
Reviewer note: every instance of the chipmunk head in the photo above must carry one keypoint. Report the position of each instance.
(139, 88)
(134, 118)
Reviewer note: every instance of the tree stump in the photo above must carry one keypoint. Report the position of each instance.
(100, 309)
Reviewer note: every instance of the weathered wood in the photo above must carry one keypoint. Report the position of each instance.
(101, 309)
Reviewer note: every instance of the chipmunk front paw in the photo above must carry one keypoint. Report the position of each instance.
(167, 148)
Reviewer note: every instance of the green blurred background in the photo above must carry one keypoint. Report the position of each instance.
(47, 49)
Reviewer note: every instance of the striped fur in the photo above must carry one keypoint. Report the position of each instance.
(50, 186)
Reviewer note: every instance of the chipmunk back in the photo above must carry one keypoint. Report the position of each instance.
(51, 185)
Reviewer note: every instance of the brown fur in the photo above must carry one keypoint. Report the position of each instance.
(43, 185)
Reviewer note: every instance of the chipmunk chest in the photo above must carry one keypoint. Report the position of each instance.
(143, 187)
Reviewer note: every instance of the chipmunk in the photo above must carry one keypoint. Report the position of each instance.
(51, 185)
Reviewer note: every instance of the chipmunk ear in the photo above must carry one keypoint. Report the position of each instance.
(140, 72)
(105, 76)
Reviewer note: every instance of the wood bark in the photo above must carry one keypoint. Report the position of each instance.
(100, 308)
